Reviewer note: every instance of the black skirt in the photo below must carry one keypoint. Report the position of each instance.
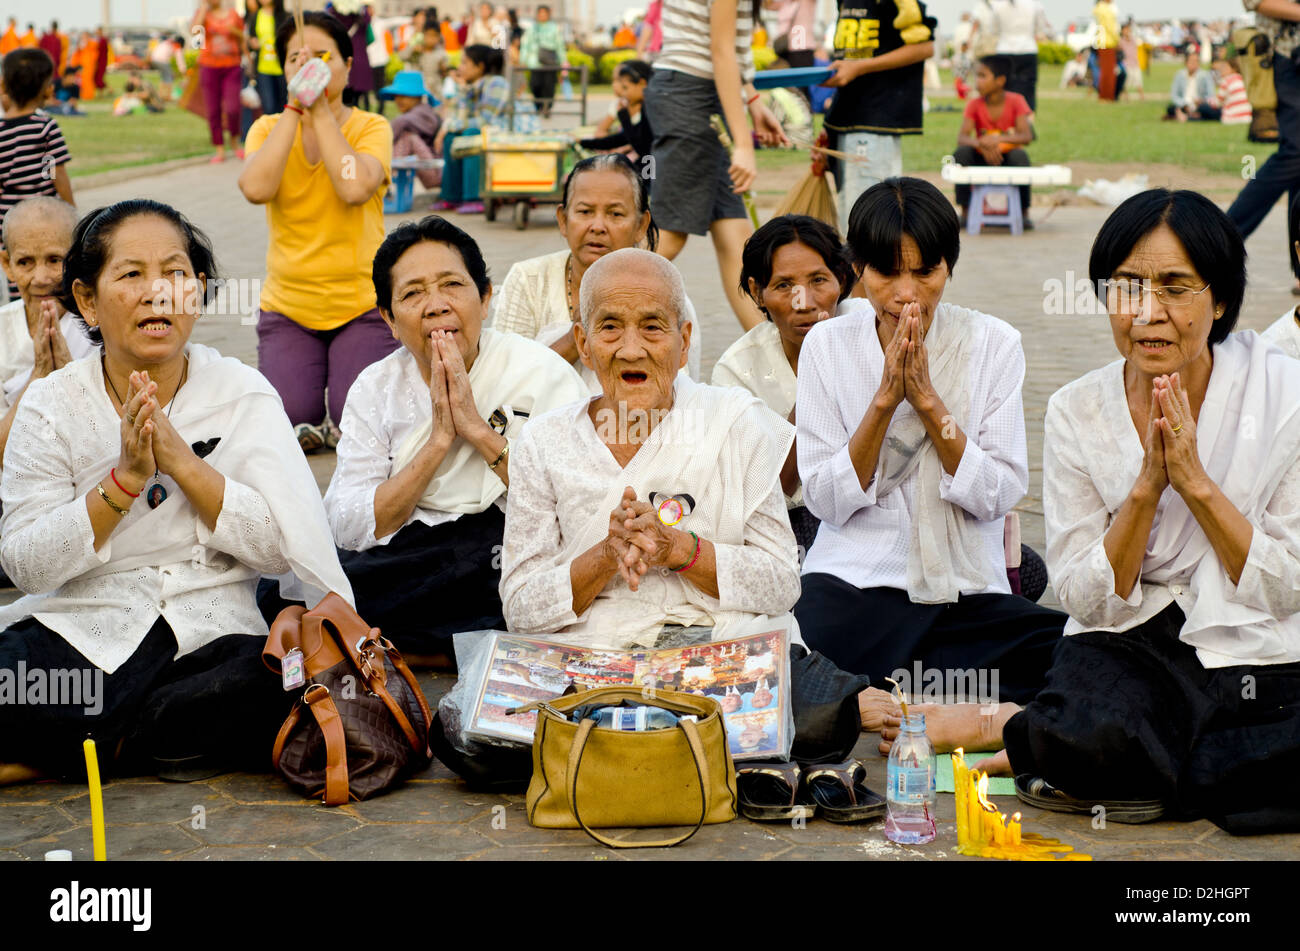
(429, 582)
(1135, 716)
(218, 704)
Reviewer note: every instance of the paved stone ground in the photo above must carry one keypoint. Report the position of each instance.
(257, 817)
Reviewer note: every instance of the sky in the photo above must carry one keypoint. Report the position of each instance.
(83, 13)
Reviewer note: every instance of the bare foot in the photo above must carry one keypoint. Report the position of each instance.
(876, 706)
(13, 773)
(972, 726)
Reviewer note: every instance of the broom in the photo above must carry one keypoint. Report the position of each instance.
(812, 195)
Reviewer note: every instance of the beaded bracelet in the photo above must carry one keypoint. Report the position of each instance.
(694, 558)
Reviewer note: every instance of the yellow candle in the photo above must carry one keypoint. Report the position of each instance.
(974, 814)
(999, 828)
(96, 802)
(961, 789)
(1015, 829)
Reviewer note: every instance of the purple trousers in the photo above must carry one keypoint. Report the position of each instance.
(220, 85)
(303, 364)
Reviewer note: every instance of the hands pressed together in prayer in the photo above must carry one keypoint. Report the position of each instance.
(149, 440)
(907, 365)
(47, 338)
(638, 540)
(1171, 456)
(454, 410)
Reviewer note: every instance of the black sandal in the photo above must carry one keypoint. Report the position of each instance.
(1039, 793)
(769, 792)
(842, 794)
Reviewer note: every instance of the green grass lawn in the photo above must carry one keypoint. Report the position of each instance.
(1074, 126)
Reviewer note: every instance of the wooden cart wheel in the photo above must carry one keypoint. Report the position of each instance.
(490, 209)
(521, 215)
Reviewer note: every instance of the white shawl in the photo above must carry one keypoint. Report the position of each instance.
(510, 374)
(944, 554)
(1248, 438)
(724, 448)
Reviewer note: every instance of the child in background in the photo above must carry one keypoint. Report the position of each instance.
(33, 155)
(1232, 93)
(996, 123)
(634, 136)
(415, 128)
(1075, 72)
(961, 68)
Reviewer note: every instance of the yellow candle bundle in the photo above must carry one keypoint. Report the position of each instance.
(983, 831)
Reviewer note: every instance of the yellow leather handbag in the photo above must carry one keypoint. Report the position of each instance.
(589, 777)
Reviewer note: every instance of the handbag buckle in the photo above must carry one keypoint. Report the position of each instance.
(307, 694)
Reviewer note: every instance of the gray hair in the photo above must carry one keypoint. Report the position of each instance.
(42, 208)
(612, 266)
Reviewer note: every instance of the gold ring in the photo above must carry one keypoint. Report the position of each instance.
(1177, 428)
(131, 420)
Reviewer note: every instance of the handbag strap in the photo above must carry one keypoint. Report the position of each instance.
(336, 752)
(701, 771)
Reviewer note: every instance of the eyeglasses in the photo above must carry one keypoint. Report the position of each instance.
(1127, 296)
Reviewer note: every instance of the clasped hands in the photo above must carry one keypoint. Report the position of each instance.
(454, 410)
(1171, 456)
(907, 365)
(47, 338)
(150, 443)
(987, 146)
(637, 540)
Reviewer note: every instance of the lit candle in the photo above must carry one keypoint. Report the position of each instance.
(974, 814)
(1015, 829)
(999, 828)
(96, 802)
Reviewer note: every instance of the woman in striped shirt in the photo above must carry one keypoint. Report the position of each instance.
(706, 68)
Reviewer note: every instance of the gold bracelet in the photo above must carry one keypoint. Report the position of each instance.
(111, 504)
(505, 450)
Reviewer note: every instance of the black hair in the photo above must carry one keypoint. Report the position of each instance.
(543, 6)
(1212, 242)
(887, 211)
(26, 73)
(491, 59)
(617, 162)
(88, 254)
(761, 248)
(635, 70)
(322, 21)
(999, 64)
(404, 237)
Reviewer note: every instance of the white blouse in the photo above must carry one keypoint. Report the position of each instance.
(17, 355)
(389, 401)
(1092, 456)
(533, 303)
(561, 474)
(65, 437)
(1285, 333)
(864, 539)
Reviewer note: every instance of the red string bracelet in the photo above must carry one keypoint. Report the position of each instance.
(694, 558)
(295, 109)
(112, 474)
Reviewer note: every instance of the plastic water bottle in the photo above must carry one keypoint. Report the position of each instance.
(911, 784)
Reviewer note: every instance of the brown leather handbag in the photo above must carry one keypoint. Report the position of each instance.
(369, 723)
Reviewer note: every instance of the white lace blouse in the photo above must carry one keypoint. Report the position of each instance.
(65, 438)
(1285, 333)
(532, 302)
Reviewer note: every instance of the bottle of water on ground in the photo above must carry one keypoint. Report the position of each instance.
(910, 775)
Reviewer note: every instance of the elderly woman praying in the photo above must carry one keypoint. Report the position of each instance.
(657, 505)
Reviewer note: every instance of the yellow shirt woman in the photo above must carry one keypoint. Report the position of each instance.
(320, 248)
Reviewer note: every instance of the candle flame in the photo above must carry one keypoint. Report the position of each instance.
(981, 793)
(1015, 817)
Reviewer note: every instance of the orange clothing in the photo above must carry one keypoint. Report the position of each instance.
(449, 38)
(28, 40)
(222, 30)
(625, 38)
(8, 42)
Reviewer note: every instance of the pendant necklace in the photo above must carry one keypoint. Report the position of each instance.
(157, 493)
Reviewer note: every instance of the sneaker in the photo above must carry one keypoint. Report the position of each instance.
(310, 438)
(1039, 793)
(331, 435)
(443, 205)
(470, 208)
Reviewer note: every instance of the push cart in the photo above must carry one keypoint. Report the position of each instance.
(523, 169)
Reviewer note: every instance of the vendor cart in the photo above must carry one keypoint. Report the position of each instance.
(522, 169)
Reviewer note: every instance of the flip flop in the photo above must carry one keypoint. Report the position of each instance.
(770, 793)
(310, 438)
(842, 794)
(1039, 793)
